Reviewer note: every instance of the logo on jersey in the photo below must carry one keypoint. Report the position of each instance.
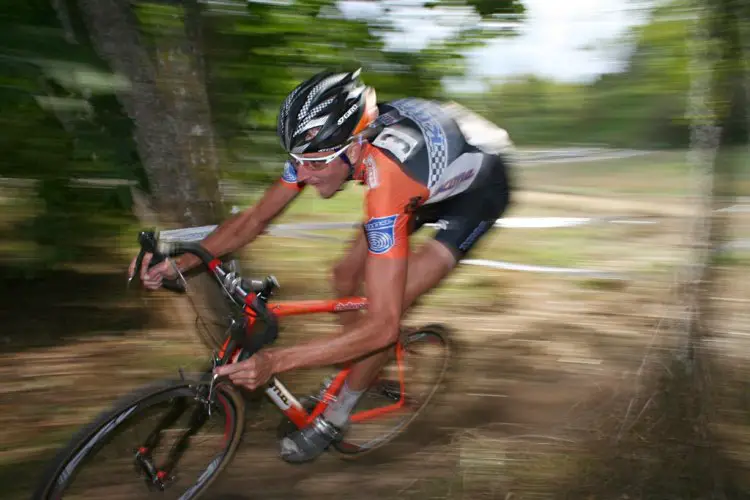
(397, 141)
(381, 233)
(455, 181)
(372, 178)
(290, 173)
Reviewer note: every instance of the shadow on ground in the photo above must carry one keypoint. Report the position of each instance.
(61, 306)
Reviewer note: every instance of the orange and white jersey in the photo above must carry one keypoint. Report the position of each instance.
(418, 154)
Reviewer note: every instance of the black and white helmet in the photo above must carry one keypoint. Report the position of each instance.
(334, 102)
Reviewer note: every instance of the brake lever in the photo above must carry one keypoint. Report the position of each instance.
(147, 241)
(137, 269)
(174, 285)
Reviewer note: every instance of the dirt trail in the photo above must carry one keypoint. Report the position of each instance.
(542, 365)
(519, 391)
(523, 374)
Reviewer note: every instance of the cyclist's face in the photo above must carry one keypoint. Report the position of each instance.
(327, 179)
(325, 174)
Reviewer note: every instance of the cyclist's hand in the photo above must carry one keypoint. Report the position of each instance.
(252, 373)
(153, 278)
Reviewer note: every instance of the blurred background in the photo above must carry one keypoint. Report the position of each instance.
(603, 331)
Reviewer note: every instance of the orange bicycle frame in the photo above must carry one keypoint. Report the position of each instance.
(280, 395)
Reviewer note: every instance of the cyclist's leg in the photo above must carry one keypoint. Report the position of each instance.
(427, 267)
(422, 275)
(466, 219)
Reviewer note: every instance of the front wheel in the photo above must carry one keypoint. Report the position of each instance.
(169, 438)
(425, 358)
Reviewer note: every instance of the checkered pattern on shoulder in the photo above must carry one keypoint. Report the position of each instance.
(434, 136)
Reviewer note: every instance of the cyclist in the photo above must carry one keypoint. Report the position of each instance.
(421, 163)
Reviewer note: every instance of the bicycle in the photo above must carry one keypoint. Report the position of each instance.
(157, 463)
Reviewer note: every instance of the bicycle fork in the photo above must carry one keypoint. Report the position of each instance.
(159, 476)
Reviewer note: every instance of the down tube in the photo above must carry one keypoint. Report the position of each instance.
(286, 402)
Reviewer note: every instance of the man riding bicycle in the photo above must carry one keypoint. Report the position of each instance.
(421, 163)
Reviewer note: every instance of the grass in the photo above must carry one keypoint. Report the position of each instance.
(733, 258)
(303, 265)
(308, 260)
(656, 174)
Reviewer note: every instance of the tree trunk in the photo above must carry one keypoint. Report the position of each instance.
(744, 34)
(704, 139)
(168, 104)
(719, 115)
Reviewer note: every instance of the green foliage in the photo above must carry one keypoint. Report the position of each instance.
(648, 100)
(534, 110)
(62, 120)
(256, 58)
(642, 106)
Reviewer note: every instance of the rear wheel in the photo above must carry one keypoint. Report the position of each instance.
(426, 357)
(167, 439)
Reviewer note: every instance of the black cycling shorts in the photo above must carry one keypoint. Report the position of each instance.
(466, 217)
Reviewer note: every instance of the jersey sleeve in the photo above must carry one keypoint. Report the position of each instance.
(289, 178)
(390, 194)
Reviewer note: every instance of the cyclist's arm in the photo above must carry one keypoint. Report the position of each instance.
(379, 328)
(385, 275)
(244, 227)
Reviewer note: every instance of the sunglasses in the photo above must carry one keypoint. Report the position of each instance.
(319, 162)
